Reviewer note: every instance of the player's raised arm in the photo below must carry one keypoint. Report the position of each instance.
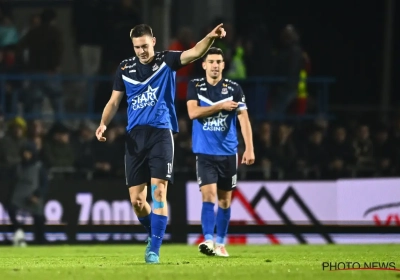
(202, 46)
(109, 112)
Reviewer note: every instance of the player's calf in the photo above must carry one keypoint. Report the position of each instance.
(159, 218)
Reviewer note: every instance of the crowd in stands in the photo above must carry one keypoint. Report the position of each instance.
(317, 150)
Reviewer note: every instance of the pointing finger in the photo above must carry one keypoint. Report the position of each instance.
(219, 26)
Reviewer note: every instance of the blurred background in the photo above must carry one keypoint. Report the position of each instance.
(321, 84)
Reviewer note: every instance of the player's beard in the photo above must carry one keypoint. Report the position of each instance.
(214, 74)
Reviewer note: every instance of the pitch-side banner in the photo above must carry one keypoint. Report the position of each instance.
(342, 202)
(369, 201)
(273, 203)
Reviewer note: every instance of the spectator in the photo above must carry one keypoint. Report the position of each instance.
(264, 148)
(285, 150)
(364, 150)
(8, 32)
(58, 151)
(45, 47)
(36, 134)
(10, 145)
(341, 154)
(383, 153)
(83, 147)
(314, 154)
(107, 156)
(288, 63)
(88, 26)
(28, 194)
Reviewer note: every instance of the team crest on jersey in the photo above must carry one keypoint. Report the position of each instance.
(145, 99)
(155, 67)
(215, 123)
(224, 90)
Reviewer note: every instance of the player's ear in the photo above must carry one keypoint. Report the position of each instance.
(154, 41)
(203, 64)
(222, 65)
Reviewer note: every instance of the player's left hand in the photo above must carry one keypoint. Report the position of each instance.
(248, 157)
(99, 133)
(218, 32)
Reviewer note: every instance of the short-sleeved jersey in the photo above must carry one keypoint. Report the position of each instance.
(150, 90)
(216, 134)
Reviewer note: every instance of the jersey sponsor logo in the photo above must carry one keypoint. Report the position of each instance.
(145, 99)
(215, 123)
(126, 66)
(232, 82)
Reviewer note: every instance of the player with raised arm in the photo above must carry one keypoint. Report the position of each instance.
(214, 104)
(148, 80)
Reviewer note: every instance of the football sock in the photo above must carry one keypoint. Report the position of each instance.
(146, 222)
(223, 218)
(158, 226)
(208, 220)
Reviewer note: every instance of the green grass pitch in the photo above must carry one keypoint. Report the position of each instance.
(184, 262)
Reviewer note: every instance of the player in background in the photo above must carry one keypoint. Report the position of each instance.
(214, 104)
(148, 80)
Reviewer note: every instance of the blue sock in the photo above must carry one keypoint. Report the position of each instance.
(223, 218)
(158, 226)
(208, 220)
(146, 222)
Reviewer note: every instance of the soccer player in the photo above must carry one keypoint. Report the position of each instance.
(148, 80)
(214, 104)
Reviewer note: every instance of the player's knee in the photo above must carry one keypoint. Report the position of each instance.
(138, 203)
(159, 192)
(159, 195)
(209, 193)
(224, 203)
(209, 196)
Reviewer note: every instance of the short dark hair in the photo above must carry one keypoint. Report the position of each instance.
(213, 50)
(141, 30)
